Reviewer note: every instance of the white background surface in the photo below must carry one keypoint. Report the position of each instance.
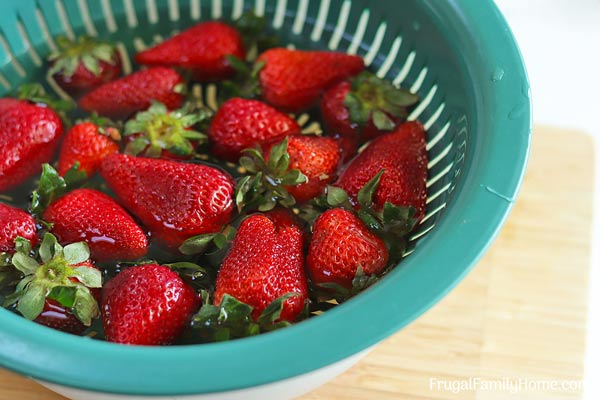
(560, 41)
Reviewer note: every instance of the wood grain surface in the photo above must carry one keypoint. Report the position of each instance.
(519, 318)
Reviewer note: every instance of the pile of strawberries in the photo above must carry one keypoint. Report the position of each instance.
(156, 221)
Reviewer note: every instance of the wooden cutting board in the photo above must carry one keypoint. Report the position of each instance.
(519, 317)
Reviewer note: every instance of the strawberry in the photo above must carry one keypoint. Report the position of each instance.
(174, 200)
(402, 156)
(293, 80)
(15, 223)
(341, 244)
(241, 123)
(59, 286)
(29, 136)
(87, 144)
(158, 132)
(82, 65)
(317, 158)
(365, 107)
(200, 49)
(265, 262)
(135, 92)
(147, 305)
(94, 217)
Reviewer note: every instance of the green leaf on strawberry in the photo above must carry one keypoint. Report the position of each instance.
(200, 243)
(253, 29)
(52, 186)
(376, 99)
(62, 274)
(264, 188)
(339, 293)
(233, 318)
(157, 129)
(86, 50)
(245, 83)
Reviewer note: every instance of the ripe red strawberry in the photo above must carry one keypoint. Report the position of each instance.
(317, 158)
(341, 243)
(201, 49)
(59, 289)
(293, 80)
(82, 65)
(265, 262)
(135, 92)
(88, 144)
(92, 216)
(174, 200)
(240, 124)
(13, 223)
(403, 157)
(147, 305)
(365, 107)
(29, 135)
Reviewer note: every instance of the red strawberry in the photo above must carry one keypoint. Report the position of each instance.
(341, 243)
(403, 157)
(87, 144)
(265, 262)
(29, 135)
(317, 158)
(60, 289)
(293, 80)
(94, 217)
(147, 305)
(82, 65)
(364, 107)
(174, 200)
(240, 124)
(201, 49)
(13, 223)
(135, 92)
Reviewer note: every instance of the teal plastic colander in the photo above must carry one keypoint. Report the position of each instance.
(458, 55)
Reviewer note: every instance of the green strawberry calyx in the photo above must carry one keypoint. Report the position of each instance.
(232, 318)
(86, 51)
(52, 272)
(374, 98)
(254, 31)
(199, 244)
(245, 82)
(332, 290)
(264, 185)
(158, 129)
(52, 186)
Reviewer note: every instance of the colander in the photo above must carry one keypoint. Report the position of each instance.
(461, 58)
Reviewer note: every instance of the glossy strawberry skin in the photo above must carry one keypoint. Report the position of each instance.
(85, 144)
(92, 216)
(317, 158)
(201, 49)
(83, 80)
(293, 80)
(340, 243)
(147, 305)
(265, 262)
(174, 200)
(403, 156)
(135, 92)
(240, 124)
(29, 136)
(15, 222)
(56, 316)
